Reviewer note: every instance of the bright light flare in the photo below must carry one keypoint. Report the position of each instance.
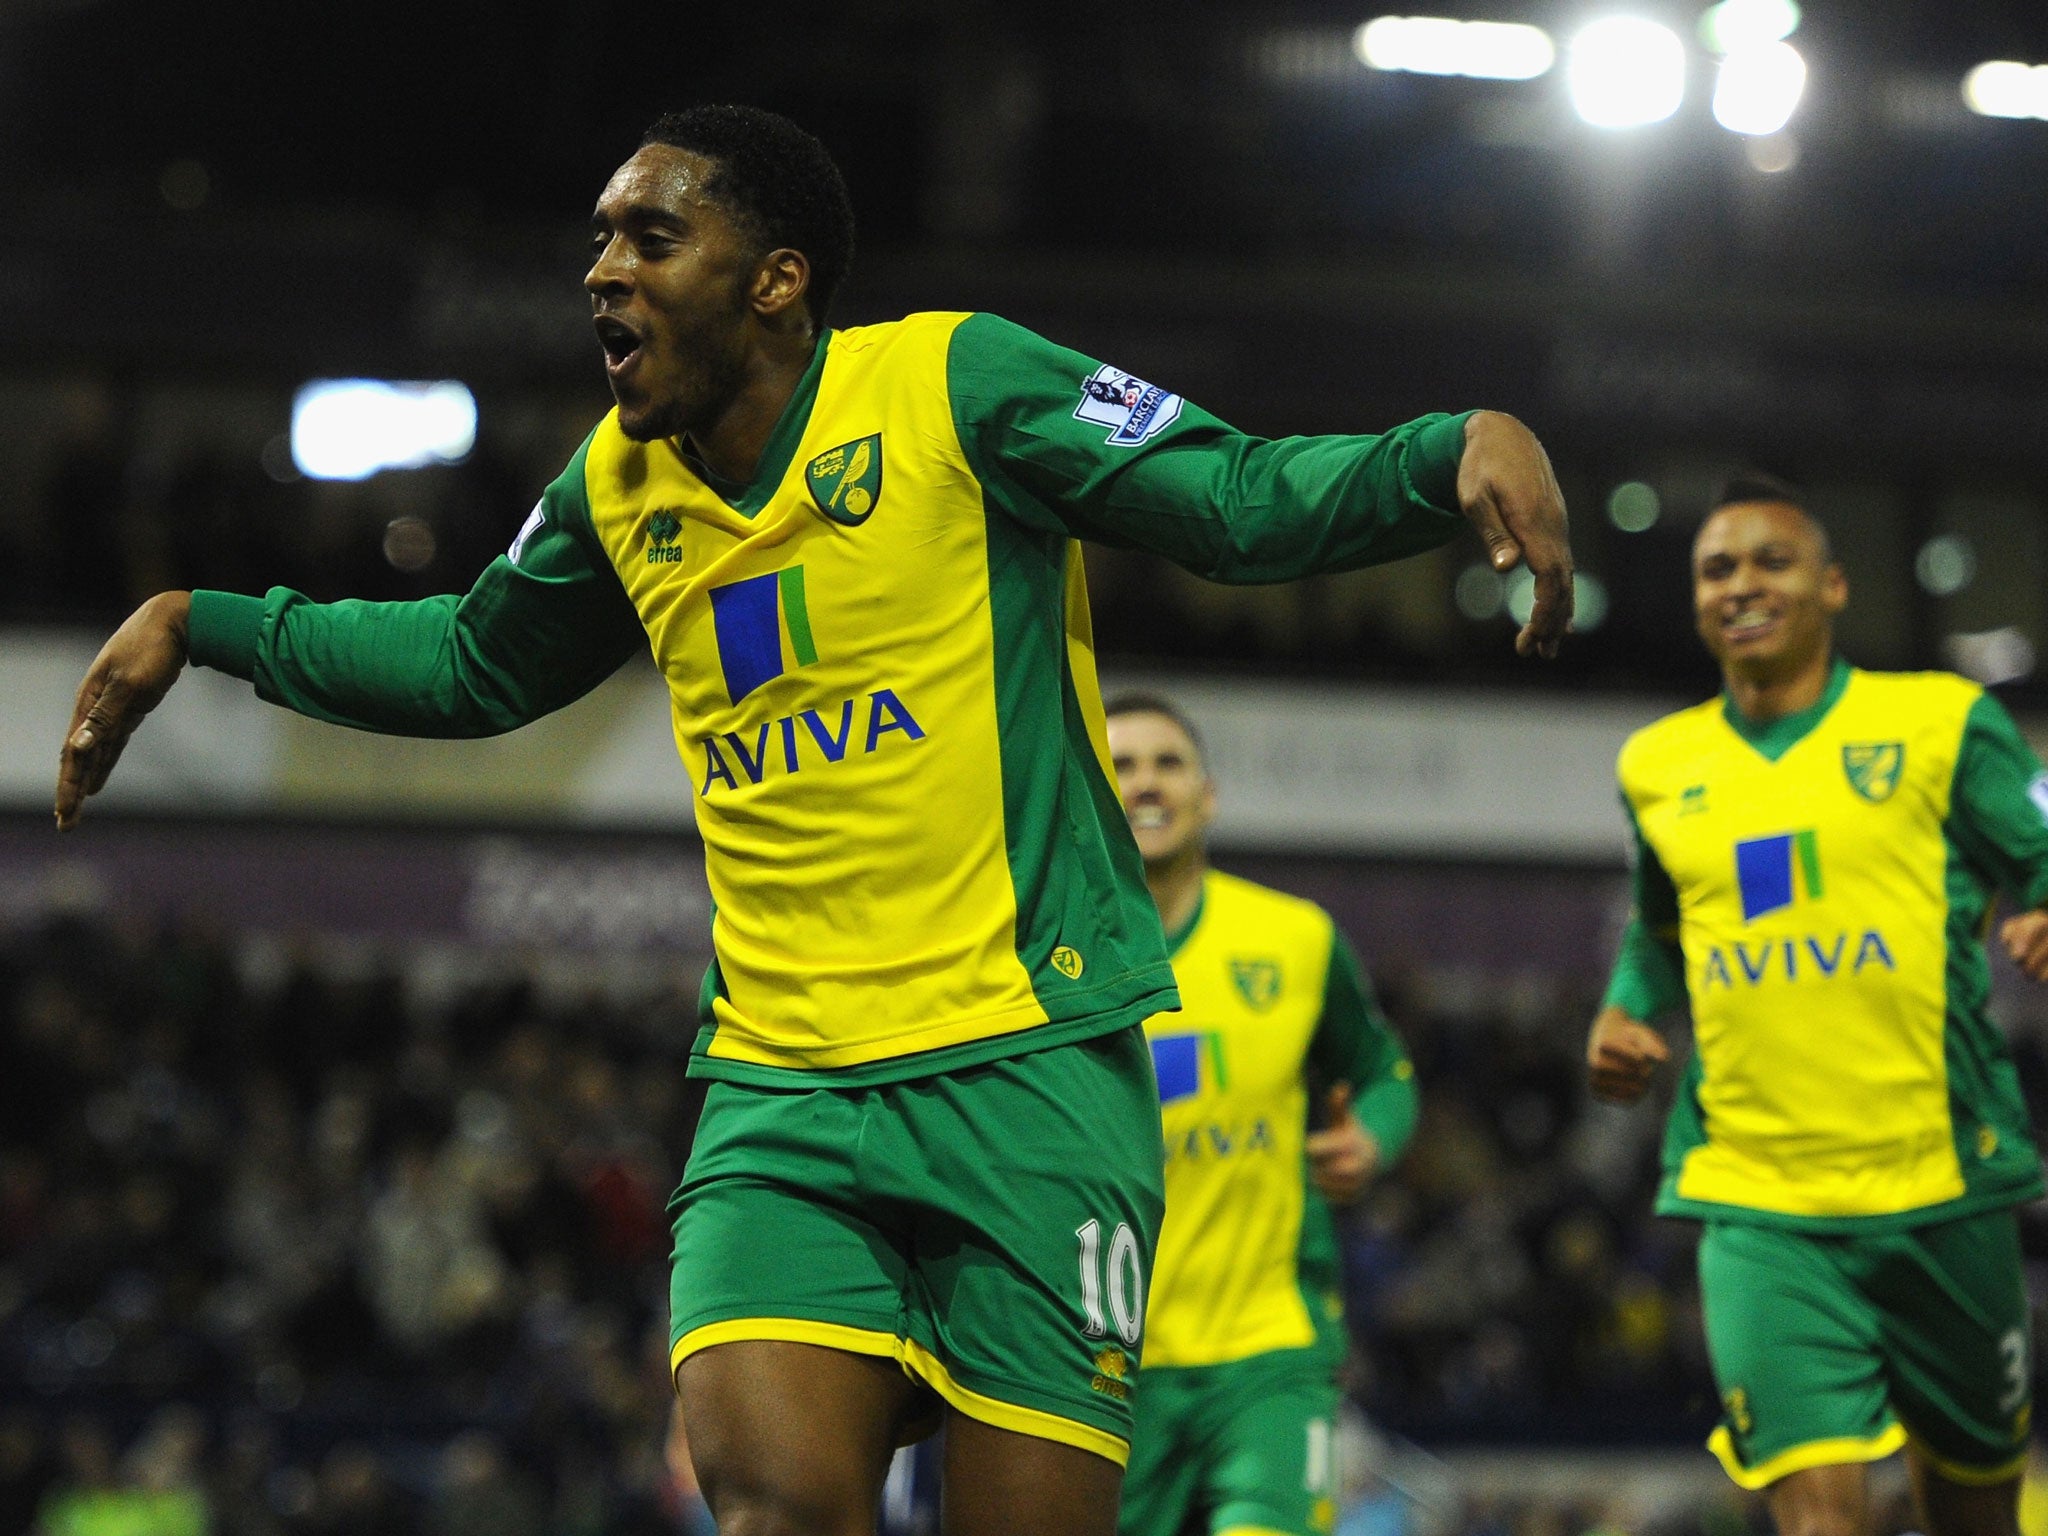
(349, 429)
(1736, 25)
(1758, 89)
(2005, 88)
(1625, 72)
(1435, 45)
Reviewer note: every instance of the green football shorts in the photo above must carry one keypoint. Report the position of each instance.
(990, 1229)
(1842, 1348)
(1242, 1447)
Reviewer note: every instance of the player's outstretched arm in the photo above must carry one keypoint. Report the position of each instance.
(1068, 445)
(1622, 1054)
(129, 678)
(1507, 489)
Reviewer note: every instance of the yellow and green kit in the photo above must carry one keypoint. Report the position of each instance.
(1238, 1398)
(883, 693)
(1817, 888)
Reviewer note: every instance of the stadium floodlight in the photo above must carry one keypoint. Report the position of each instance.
(1757, 89)
(2006, 88)
(1436, 45)
(1625, 72)
(1734, 26)
(349, 429)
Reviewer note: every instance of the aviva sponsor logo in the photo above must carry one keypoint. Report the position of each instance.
(1177, 1062)
(764, 629)
(1777, 874)
(1809, 958)
(792, 743)
(1764, 867)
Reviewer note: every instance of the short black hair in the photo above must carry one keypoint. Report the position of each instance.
(777, 181)
(1142, 701)
(1759, 485)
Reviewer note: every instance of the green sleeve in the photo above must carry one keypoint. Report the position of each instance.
(1353, 1043)
(543, 625)
(1997, 805)
(1174, 480)
(1649, 970)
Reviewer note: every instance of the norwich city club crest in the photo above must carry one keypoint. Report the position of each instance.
(1873, 768)
(1258, 982)
(846, 482)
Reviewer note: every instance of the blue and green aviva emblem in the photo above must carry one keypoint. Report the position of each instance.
(1873, 768)
(1765, 868)
(846, 482)
(763, 628)
(1177, 1063)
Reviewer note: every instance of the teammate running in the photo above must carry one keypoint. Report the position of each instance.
(1817, 855)
(929, 1161)
(1237, 1403)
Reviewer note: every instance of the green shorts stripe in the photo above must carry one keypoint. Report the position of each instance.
(991, 1229)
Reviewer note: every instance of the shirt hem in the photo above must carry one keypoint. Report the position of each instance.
(1974, 1203)
(946, 1058)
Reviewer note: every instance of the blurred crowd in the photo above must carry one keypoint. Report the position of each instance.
(299, 1258)
(304, 1248)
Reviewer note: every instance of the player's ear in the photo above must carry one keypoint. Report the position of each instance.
(1834, 589)
(780, 283)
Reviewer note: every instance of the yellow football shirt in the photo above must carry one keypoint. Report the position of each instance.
(880, 670)
(1272, 1001)
(1826, 879)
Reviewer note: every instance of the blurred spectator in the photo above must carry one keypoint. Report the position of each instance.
(478, 1494)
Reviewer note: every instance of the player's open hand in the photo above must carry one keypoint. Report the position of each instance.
(1622, 1055)
(1505, 486)
(129, 678)
(2025, 936)
(1343, 1155)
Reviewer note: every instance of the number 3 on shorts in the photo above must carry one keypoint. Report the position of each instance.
(2012, 1350)
(1126, 1282)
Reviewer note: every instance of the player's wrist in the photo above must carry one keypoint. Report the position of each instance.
(172, 613)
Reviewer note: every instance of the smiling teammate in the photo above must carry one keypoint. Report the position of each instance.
(1237, 1403)
(1817, 853)
(928, 1169)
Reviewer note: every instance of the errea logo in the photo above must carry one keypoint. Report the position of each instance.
(1111, 1366)
(663, 529)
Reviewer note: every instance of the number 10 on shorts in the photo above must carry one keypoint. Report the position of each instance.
(1126, 1285)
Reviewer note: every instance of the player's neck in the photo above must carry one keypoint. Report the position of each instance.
(1176, 887)
(731, 444)
(1768, 694)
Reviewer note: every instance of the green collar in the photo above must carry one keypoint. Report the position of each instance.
(1774, 738)
(750, 496)
(1179, 936)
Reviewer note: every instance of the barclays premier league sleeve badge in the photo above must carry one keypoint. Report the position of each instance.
(527, 530)
(1132, 409)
